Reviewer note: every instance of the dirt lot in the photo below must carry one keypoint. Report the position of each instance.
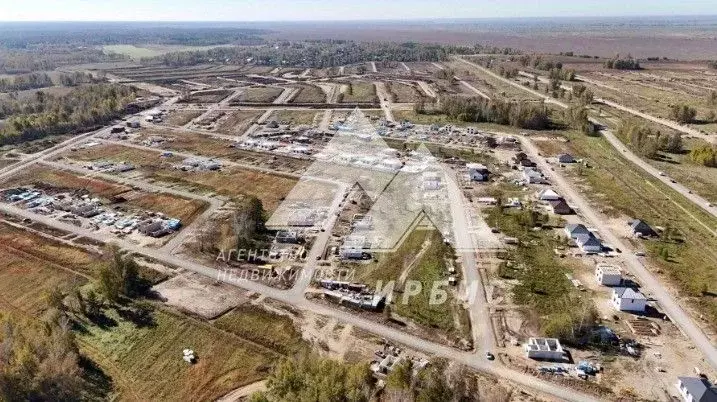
(182, 117)
(212, 96)
(309, 94)
(294, 116)
(238, 122)
(402, 93)
(199, 295)
(259, 94)
(359, 92)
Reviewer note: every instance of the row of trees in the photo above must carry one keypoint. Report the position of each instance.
(705, 155)
(648, 142)
(81, 109)
(523, 114)
(314, 54)
(312, 378)
(577, 117)
(627, 63)
(45, 58)
(21, 82)
(683, 113)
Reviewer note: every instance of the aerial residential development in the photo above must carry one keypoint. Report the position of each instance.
(357, 209)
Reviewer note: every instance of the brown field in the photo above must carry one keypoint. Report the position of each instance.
(360, 92)
(170, 205)
(270, 189)
(309, 94)
(211, 96)
(182, 117)
(41, 176)
(294, 116)
(403, 93)
(259, 94)
(238, 122)
(118, 153)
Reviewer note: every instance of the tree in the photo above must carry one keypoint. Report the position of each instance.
(683, 113)
(248, 221)
(705, 155)
(39, 360)
(118, 277)
(312, 378)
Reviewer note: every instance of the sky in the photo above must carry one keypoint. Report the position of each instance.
(313, 10)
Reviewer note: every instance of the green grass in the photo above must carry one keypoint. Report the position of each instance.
(260, 94)
(431, 268)
(542, 286)
(309, 94)
(293, 116)
(149, 359)
(271, 330)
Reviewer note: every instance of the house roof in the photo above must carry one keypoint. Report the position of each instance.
(548, 193)
(699, 388)
(565, 157)
(560, 206)
(628, 293)
(639, 226)
(576, 228)
(587, 240)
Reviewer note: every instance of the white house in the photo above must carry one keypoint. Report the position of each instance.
(544, 348)
(608, 275)
(693, 389)
(626, 299)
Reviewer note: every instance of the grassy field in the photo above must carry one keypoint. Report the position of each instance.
(255, 323)
(309, 94)
(238, 122)
(33, 265)
(138, 52)
(360, 92)
(426, 255)
(621, 190)
(149, 362)
(293, 116)
(259, 94)
(170, 205)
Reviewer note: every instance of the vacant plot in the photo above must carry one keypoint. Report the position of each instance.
(309, 94)
(118, 153)
(182, 117)
(259, 94)
(148, 359)
(170, 205)
(258, 325)
(63, 180)
(212, 96)
(293, 116)
(34, 265)
(238, 122)
(270, 189)
(359, 92)
(402, 93)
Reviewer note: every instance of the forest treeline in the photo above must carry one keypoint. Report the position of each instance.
(21, 82)
(81, 109)
(523, 114)
(315, 54)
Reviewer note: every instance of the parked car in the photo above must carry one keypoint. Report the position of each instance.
(489, 356)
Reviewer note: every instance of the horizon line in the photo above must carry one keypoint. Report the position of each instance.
(408, 19)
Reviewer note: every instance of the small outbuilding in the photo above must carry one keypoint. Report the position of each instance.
(560, 207)
(566, 158)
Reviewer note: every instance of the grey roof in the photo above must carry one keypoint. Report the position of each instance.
(699, 388)
(639, 226)
(628, 293)
(587, 240)
(576, 228)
